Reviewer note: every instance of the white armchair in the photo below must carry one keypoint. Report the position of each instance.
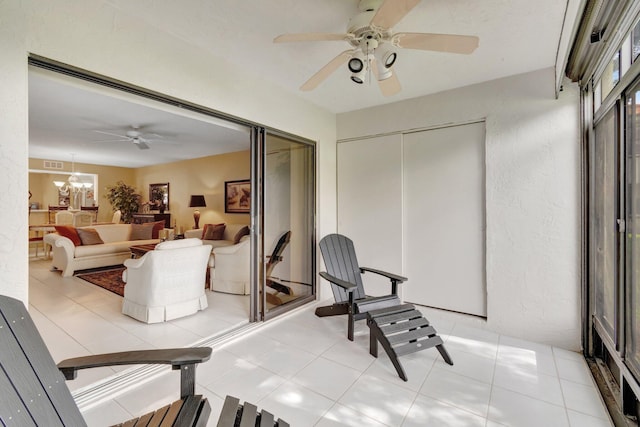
(168, 282)
(230, 272)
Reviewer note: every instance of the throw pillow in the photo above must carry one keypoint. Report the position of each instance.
(142, 231)
(240, 234)
(89, 236)
(69, 232)
(213, 232)
(157, 226)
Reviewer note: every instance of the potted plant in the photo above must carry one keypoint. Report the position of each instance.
(124, 197)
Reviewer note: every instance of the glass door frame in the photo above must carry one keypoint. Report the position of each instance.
(258, 301)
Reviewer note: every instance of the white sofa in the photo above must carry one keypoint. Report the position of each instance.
(166, 283)
(230, 263)
(230, 232)
(113, 251)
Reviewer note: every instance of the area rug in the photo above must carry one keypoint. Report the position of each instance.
(109, 278)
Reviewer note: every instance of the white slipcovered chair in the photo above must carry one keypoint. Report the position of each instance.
(116, 217)
(230, 272)
(167, 282)
(82, 219)
(64, 217)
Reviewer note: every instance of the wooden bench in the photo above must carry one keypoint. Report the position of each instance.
(402, 330)
(234, 414)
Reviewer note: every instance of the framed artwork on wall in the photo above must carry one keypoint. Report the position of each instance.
(237, 196)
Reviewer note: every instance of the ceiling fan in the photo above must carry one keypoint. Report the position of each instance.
(134, 136)
(374, 44)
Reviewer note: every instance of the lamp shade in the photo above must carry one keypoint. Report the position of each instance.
(197, 201)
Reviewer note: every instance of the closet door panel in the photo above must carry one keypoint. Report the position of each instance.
(444, 218)
(370, 204)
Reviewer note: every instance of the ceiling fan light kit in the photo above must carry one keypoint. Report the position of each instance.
(374, 44)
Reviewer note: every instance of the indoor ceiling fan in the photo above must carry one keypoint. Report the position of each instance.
(134, 136)
(374, 44)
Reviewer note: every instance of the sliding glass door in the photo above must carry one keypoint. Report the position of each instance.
(288, 245)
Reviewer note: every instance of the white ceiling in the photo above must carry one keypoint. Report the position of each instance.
(516, 36)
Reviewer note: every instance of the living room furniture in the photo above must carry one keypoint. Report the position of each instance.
(142, 218)
(345, 276)
(228, 237)
(167, 282)
(93, 210)
(231, 266)
(115, 219)
(82, 219)
(234, 414)
(138, 251)
(402, 330)
(63, 217)
(53, 209)
(34, 391)
(68, 257)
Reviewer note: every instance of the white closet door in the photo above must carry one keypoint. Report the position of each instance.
(370, 205)
(444, 218)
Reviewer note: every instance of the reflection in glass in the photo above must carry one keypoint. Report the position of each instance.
(288, 221)
(604, 223)
(633, 228)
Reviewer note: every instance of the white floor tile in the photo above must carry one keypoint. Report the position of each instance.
(341, 416)
(246, 381)
(515, 409)
(472, 365)
(107, 414)
(326, 377)
(542, 387)
(576, 419)
(296, 405)
(384, 402)
(427, 412)
(575, 370)
(459, 391)
(583, 398)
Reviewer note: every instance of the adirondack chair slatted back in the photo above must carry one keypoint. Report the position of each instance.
(34, 392)
(339, 255)
(276, 255)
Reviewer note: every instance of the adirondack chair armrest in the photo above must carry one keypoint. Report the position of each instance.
(176, 357)
(391, 276)
(348, 286)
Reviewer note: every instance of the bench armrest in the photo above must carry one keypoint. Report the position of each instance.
(184, 359)
(348, 286)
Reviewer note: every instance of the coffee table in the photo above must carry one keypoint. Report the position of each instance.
(139, 250)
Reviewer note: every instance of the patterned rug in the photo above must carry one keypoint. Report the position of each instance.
(109, 278)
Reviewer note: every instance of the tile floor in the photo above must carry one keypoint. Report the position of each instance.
(303, 369)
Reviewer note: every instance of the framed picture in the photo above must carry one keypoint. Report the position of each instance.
(237, 196)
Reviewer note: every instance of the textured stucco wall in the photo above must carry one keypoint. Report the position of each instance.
(93, 35)
(532, 194)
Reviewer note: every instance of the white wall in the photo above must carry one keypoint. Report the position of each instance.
(91, 34)
(532, 194)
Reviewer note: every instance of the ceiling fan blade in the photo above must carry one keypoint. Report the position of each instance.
(452, 43)
(141, 145)
(326, 71)
(312, 37)
(389, 86)
(126, 138)
(109, 140)
(391, 12)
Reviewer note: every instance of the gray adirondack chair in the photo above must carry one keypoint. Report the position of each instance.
(34, 392)
(345, 276)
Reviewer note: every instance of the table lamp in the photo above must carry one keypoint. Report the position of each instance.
(197, 201)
